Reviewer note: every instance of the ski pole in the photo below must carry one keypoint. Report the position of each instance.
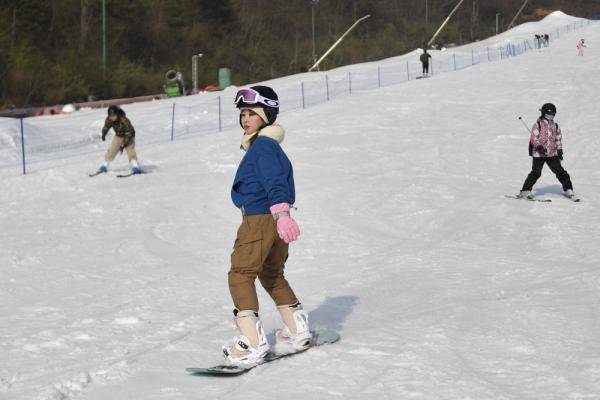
(524, 124)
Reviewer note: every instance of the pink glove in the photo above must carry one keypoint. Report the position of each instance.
(287, 228)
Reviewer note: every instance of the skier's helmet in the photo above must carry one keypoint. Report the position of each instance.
(259, 96)
(116, 110)
(549, 109)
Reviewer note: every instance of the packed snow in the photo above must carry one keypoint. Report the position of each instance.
(440, 287)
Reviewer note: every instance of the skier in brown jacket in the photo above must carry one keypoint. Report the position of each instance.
(124, 139)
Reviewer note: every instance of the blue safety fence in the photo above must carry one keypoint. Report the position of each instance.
(29, 142)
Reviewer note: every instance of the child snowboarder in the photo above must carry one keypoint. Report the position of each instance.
(580, 46)
(124, 139)
(263, 189)
(425, 61)
(545, 146)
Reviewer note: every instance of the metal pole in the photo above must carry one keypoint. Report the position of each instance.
(407, 73)
(313, 3)
(497, 16)
(327, 86)
(444, 23)
(426, 12)
(23, 146)
(302, 91)
(517, 15)
(194, 73)
(454, 56)
(349, 82)
(378, 76)
(337, 42)
(104, 39)
(219, 113)
(173, 123)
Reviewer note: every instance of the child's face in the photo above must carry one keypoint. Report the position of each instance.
(113, 117)
(251, 122)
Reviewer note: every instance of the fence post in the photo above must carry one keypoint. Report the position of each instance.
(407, 73)
(219, 98)
(378, 76)
(454, 56)
(327, 86)
(23, 146)
(488, 51)
(349, 82)
(472, 57)
(173, 123)
(302, 92)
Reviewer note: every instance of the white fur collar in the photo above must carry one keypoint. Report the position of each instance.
(275, 132)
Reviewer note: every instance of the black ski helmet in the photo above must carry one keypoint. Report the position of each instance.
(269, 93)
(116, 110)
(548, 108)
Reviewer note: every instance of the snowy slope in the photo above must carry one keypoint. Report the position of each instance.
(440, 287)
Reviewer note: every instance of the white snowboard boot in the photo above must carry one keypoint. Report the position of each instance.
(251, 346)
(295, 333)
(526, 194)
(569, 193)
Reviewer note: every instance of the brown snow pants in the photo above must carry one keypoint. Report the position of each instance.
(258, 252)
(116, 145)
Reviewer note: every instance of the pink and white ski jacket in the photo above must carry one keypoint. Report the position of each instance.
(547, 134)
(580, 45)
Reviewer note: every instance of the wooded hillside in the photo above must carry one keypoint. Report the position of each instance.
(51, 50)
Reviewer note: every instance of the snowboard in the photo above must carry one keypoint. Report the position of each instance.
(319, 338)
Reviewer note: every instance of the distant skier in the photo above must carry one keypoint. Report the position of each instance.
(538, 41)
(425, 61)
(263, 189)
(580, 46)
(124, 139)
(545, 146)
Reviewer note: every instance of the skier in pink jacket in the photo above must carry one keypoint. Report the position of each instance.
(580, 46)
(545, 146)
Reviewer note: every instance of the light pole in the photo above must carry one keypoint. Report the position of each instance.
(313, 4)
(427, 12)
(195, 59)
(497, 16)
(104, 39)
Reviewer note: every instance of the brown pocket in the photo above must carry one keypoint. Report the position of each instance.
(247, 251)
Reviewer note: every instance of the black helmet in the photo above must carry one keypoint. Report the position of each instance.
(116, 110)
(268, 101)
(548, 108)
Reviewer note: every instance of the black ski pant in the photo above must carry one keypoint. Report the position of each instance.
(425, 68)
(555, 166)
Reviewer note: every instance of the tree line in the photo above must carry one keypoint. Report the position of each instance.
(51, 51)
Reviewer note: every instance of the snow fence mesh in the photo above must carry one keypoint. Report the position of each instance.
(48, 138)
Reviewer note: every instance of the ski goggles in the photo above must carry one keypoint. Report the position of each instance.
(251, 96)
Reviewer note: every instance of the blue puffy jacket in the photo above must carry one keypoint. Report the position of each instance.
(264, 177)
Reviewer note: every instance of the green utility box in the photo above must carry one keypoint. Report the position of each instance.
(224, 78)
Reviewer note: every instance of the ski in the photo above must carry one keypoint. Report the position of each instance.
(96, 173)
(528, 198)
(131, 174)
(319, 338)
